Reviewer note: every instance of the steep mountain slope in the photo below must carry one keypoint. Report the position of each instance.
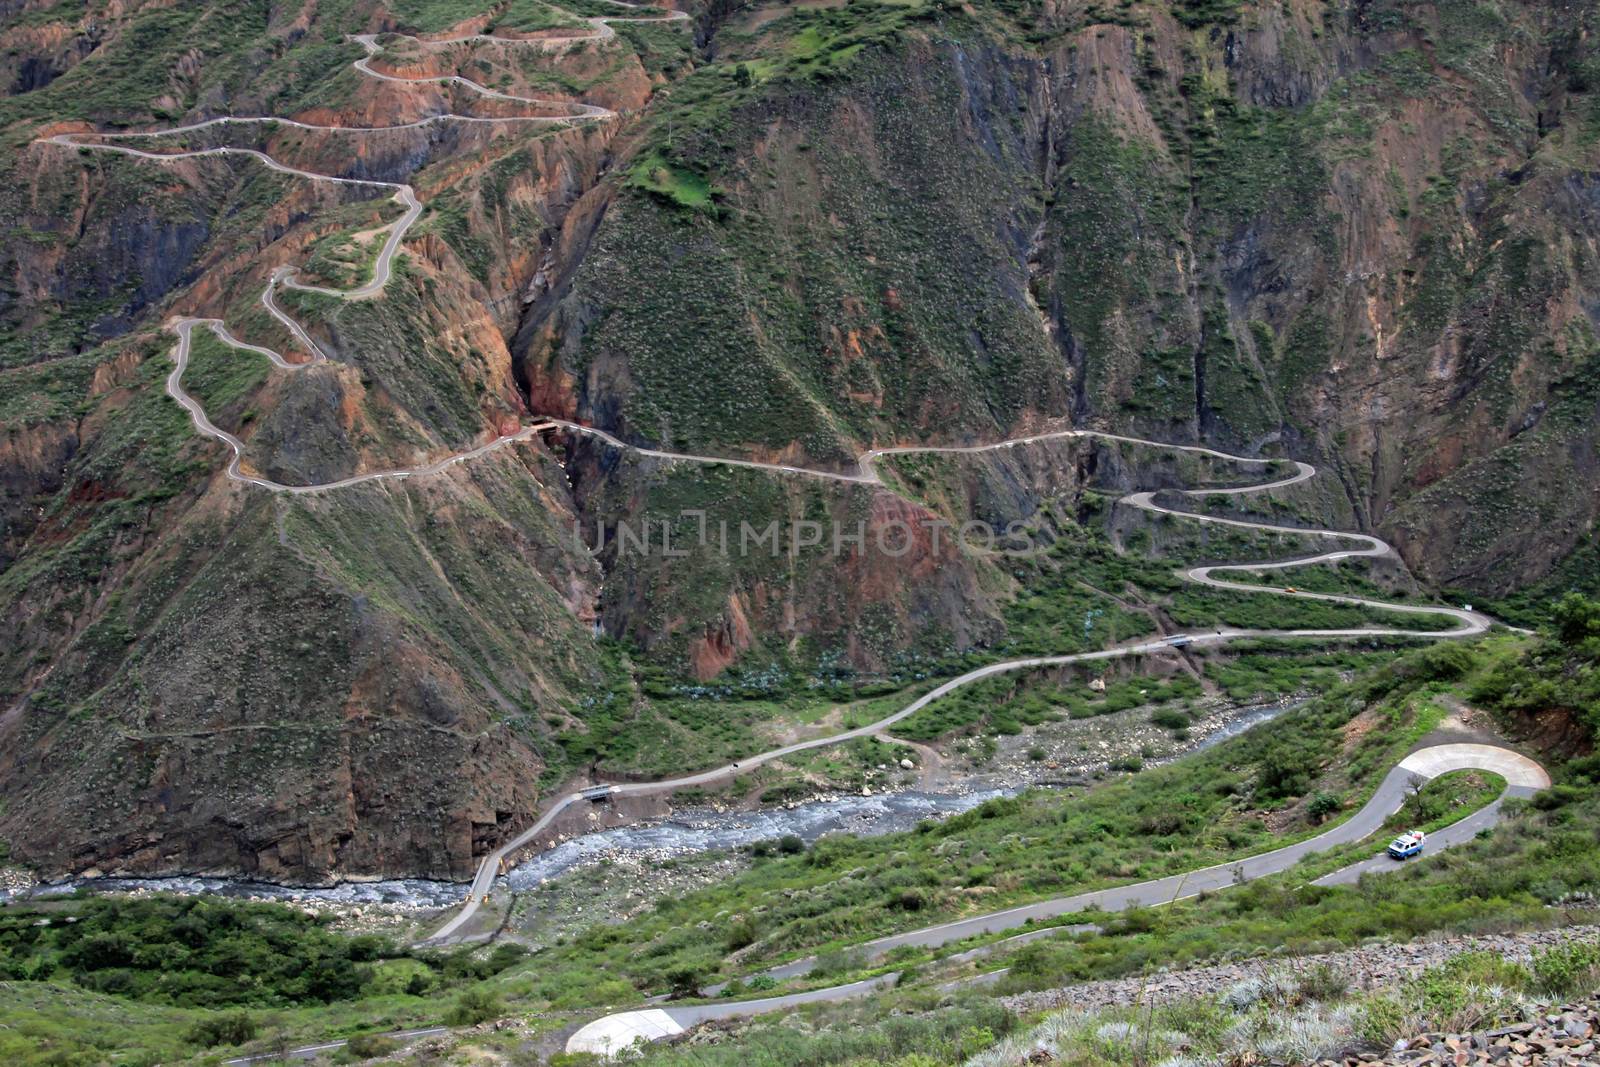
(1366, 231)
(1358, 233)
(204, 675)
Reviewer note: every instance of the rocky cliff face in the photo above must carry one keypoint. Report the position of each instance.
(1361, 234)
(226, 679)
(1361, 231)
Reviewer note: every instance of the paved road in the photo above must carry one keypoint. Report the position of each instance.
(866, 473)
(311, 1052)
(1468, 623)
(1523, 778)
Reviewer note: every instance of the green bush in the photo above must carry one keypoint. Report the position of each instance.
(504, 956)
(1170, 719)
(234, 1028)
(1288, 768)
(1445, 661)
(576, 1059)
(1568, 970)
(910, 899)
(192, 951)
(686, 980)
(367, 1047)
(741, 934)
(474, 1005)
(1323, 804)
(1321, 982)
(1382, 1020)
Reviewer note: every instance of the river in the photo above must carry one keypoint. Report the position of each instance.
(688, 832)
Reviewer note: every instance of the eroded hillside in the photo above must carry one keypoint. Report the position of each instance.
(1357, 234)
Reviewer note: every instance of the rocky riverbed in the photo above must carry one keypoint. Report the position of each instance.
(15, 880)
(624, 869)
(641, 863)
(1077, 749)
(616, 889)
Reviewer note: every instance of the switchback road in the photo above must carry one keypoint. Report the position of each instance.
(284, 276)
(1467, 623)
(1523, 776)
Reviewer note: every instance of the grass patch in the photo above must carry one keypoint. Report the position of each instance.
(673, 182)
(223, 378)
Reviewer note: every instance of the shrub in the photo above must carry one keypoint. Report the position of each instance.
(1442, 662)
(1307, 1036)
(367, 1047)
(1322, 982)
(1170, 719)
(473, 1006)
(576, 1059)
(741, 934)
(368, 947)
(235, 1028)
(505, 956)
(1287, 769)
(1383, 1021)
(1486, 969)
(1275, 989)
(203, 952)
(910, 899)
(1576, 618)
(1322, 805)
(685, 981)
(1567, 970)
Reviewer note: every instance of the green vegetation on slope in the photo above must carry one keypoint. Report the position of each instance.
(190, 952)
(1560, 674)
(181, 974)
(222, 378)
(434, 16)
(1198, 811)
(229, 46)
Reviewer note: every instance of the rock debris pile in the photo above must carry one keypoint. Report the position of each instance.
(1368, 967)
(1563, 1037)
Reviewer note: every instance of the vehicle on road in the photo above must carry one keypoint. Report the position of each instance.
(1407, 844)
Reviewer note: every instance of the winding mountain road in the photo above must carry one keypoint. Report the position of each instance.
(1524, 777)
(599, 28)
(1468, 623)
